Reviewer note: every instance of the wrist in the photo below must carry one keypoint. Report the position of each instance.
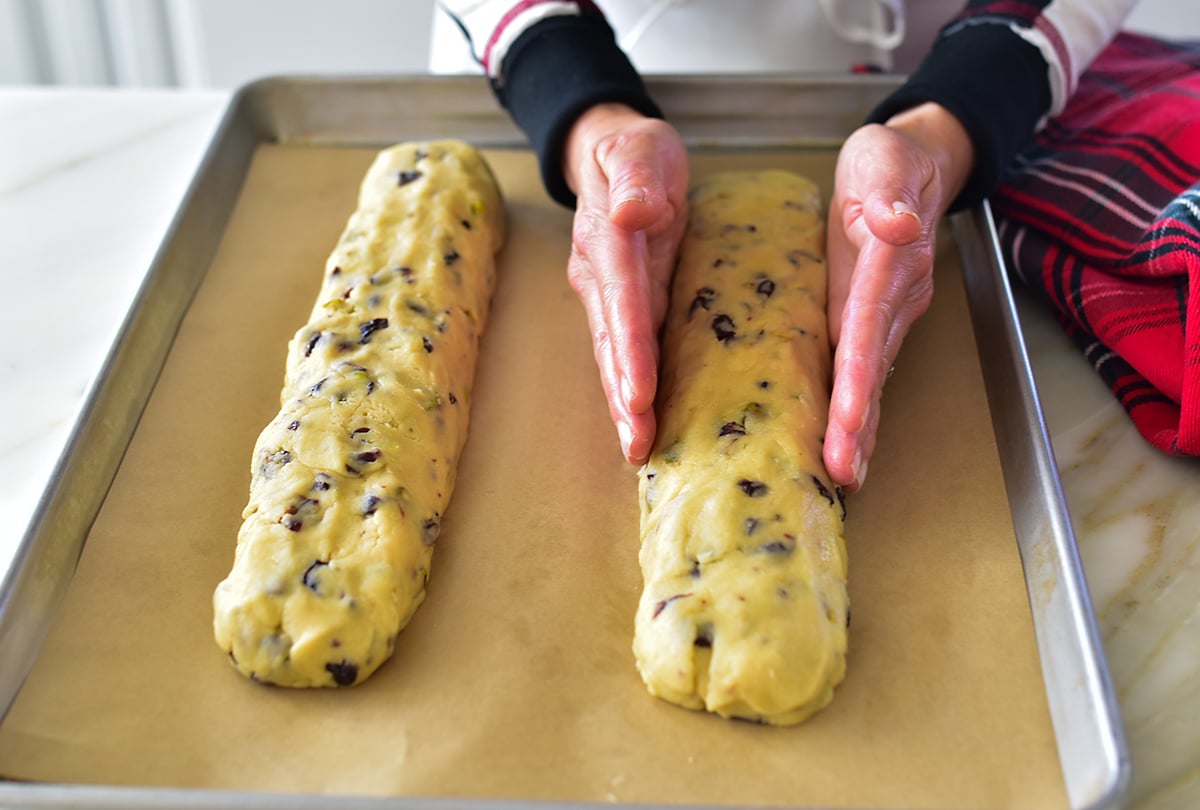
(941, 136)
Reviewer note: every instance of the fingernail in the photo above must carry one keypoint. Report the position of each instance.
(859, 466)
(625, 434)
(629, 196)
(901, 208)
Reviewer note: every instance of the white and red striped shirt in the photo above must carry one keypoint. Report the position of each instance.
(1003, 67)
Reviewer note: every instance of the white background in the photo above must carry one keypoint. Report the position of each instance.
(226, 43)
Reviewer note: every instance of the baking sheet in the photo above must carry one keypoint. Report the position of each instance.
(714, 115)
(515, 680)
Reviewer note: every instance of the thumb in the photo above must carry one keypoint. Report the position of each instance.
(893, 216)
(637, 195)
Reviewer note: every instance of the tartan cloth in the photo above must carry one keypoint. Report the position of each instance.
(1100, 216)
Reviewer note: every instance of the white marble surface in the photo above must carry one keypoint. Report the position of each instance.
(91, 179)
(88, 184)
(1136, 514)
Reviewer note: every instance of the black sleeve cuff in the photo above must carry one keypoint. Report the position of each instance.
(553, 73)
(995, 83)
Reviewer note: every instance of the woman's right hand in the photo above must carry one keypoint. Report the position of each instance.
(893, 184)
(630, 175)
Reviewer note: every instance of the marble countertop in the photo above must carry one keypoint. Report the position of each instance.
(88, 187)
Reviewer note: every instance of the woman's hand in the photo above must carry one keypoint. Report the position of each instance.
(893, 183)
(630, 174)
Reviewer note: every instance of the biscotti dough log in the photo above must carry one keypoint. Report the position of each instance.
(744, 609)
(350, 480)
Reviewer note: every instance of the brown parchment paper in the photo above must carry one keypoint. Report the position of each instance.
(516, 680)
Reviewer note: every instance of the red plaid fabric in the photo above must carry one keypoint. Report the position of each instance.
(1101, 216)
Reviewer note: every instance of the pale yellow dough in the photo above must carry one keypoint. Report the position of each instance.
(350, 480)
(745, 608)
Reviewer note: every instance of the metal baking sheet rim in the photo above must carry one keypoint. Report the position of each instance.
(711, 112)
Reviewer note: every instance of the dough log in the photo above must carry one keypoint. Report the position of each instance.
(745, 609)
(350, 480)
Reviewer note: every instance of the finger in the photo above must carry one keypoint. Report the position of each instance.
(851, 475)
(635, 430)
(641, 437)
(626, 296)
(590, 295)
(894, 223)
(606, 271)
(640, 203)
(629, 191)
(876, 317)
(841, 255)
(887, 179)
(892, 215)
(843, 457)
(636, 174)
(872, 301)
(890, 212)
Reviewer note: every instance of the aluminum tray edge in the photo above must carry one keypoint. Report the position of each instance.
(711, 112)
(1091, 740)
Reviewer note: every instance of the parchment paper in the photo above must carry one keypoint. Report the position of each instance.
(516, 680)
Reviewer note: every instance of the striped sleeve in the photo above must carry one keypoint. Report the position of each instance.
(548, 61)
(1003, 67)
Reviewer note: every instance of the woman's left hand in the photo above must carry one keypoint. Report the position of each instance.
(630, 174)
